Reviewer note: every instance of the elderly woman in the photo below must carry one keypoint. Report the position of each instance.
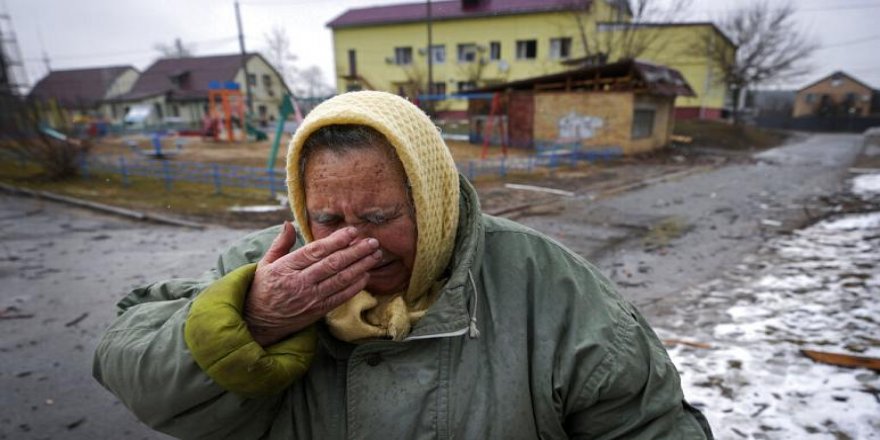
(394, 310)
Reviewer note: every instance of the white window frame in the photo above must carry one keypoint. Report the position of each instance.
(560, 48)
(438, 54)
(467, 53)
(403, 55)
(522, 49)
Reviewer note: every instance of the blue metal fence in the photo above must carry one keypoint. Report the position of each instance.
(548, 155)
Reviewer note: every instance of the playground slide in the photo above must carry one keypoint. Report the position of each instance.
(258, 134)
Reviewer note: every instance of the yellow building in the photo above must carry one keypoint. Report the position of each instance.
(478, 43)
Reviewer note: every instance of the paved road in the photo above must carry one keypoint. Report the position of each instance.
(661, 239)
(63, 269)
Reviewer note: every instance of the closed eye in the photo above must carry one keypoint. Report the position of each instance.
(325, 219)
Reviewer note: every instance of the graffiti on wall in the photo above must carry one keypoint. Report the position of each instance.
(575, 126)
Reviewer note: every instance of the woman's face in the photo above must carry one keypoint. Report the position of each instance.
(366, 189)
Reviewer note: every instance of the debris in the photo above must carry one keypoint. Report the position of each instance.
(77, 320)
(843, 360)
(762, 407)
(672, 342)
(75, 424)
(559, 192)
(681, 139)
(11, 312)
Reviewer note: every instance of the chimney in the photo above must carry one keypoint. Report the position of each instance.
(472, 4)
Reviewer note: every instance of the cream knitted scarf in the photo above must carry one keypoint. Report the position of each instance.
(434, 181)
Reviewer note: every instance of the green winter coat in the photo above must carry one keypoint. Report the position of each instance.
(526, 341)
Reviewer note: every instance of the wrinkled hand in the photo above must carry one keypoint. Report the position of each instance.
(290, 291)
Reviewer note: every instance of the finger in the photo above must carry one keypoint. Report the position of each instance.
(348, 276)
(281, 245)
(335, 300)
(339, 261)
(319, 249)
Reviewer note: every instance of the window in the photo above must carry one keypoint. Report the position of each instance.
(252, 79)
(560, 48)
(810, 98)
(403, 56)
(464, 86)
(352, 63)
(175, 110)
(643, 123)
(438, 54)
(495, 50)
(267, 81)
(526, 49)
(438, 88)
(159, 113)
(467, 53)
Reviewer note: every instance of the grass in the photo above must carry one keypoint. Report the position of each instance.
(192, 201)
(727, 136)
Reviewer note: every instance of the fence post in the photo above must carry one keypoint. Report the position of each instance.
(218, 183)
(84, 166)
(166, 169)
(123, 170)
(271, 173)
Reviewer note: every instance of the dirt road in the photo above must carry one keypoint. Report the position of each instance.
(62, 269)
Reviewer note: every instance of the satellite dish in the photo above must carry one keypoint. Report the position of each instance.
(503, 66)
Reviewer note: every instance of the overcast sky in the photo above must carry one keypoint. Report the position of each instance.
(88, 33)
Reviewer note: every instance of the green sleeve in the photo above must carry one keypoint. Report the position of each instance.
(635, 391)
(221, 344)
(143, 359)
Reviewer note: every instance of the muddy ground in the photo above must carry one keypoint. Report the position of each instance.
(656, 228)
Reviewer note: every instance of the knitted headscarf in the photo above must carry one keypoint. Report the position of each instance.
(433, 179)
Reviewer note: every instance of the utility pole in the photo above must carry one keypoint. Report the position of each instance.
(431, 90)
(247, 80)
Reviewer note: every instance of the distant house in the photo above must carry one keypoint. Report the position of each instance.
(177, 88)
(627, 105)
(835, 94)
(83, 92)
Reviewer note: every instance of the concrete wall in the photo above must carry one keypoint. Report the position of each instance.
(601, 119)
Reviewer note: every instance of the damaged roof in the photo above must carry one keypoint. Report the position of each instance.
(625, 75)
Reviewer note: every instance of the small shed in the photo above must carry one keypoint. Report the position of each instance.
(626, 105)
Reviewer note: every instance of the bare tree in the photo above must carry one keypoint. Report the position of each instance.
(175, 50)
(280, 55)
(629, 30)
(770, 47)
(312, 84)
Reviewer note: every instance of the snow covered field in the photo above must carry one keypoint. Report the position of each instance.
(815, 289)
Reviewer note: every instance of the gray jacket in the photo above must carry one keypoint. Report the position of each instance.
(526, 341)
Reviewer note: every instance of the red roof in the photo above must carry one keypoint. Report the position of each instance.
(77, 87)
(193, 75)
(444, 10)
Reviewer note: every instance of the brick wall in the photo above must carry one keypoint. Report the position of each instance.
(809, 100)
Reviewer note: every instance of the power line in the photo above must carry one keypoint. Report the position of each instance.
(850, 42)
(126, 52)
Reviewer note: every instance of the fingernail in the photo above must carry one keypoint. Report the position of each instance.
(351, 230)
(373, 242)
(377, 255)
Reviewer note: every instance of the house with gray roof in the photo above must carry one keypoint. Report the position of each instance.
(83, 92)
(177, 89)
